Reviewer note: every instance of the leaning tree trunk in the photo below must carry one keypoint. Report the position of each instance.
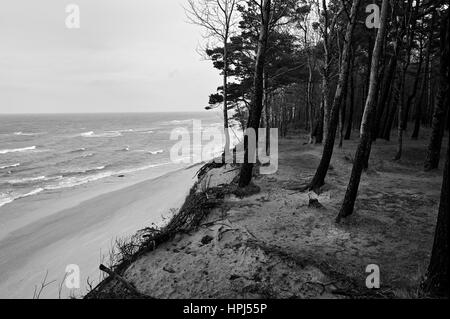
(436, 281)
(256, 109)
(388, 78)
(366, 129)
(342, 113)
(318, 126)
(319, 178)
(440, 109)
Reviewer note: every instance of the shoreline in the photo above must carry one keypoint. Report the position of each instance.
(79, 226)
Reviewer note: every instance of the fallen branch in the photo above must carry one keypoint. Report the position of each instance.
(129, 286)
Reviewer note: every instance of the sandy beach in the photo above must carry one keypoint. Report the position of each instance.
(78, 226)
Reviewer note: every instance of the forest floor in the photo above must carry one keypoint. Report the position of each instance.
(273, 244)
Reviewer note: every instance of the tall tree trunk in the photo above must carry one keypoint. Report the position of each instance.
(343, 109)
(318, 126)
(412, 97)
(400, 116)
(348, 131)
(267, 113)
(388, 79)
(440, 109)
(326, 71)
(418, 112)
(225, 100)
(326, 104)
(342, 115)
(395, 94)
(258, 83)
(366, 129)
(436, 281)
(319, 178)
(419, 101)
(411, 34)
(309, 102)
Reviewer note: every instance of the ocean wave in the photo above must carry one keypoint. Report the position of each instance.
(129, 130)
(141, 168)
(82, 171)
(26, 134)
(180, 121)
(80, 180)
(104, 135)
(9, 198)
(29, 180)
(132, 130)
(18, 150)
(155, 152)
(77, 180)
(10, 166)
(87, 134)
(78, 150)
(144, 131)
(5, 199)
(88, 155)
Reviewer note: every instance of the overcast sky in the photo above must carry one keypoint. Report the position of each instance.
(128, 56)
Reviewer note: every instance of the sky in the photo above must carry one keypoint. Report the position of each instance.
(127, 56)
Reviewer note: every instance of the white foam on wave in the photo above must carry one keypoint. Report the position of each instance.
(9, 198)
(180, 121)
(99, 135)
(33, 192)
(144, 130)
(5, 199)
(10, 166)
(80, 180)
(25, 134)
(129, 130)
(18, 150)
(83, 170)
(156, 152)
(87, 134)
(78, 150)
(73, 181)
(88, 155)
(32, 179)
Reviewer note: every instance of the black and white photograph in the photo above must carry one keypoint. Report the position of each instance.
(210, 150)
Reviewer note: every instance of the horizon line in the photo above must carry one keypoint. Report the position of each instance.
(72, 113)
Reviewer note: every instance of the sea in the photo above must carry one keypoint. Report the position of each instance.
(40, 153)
